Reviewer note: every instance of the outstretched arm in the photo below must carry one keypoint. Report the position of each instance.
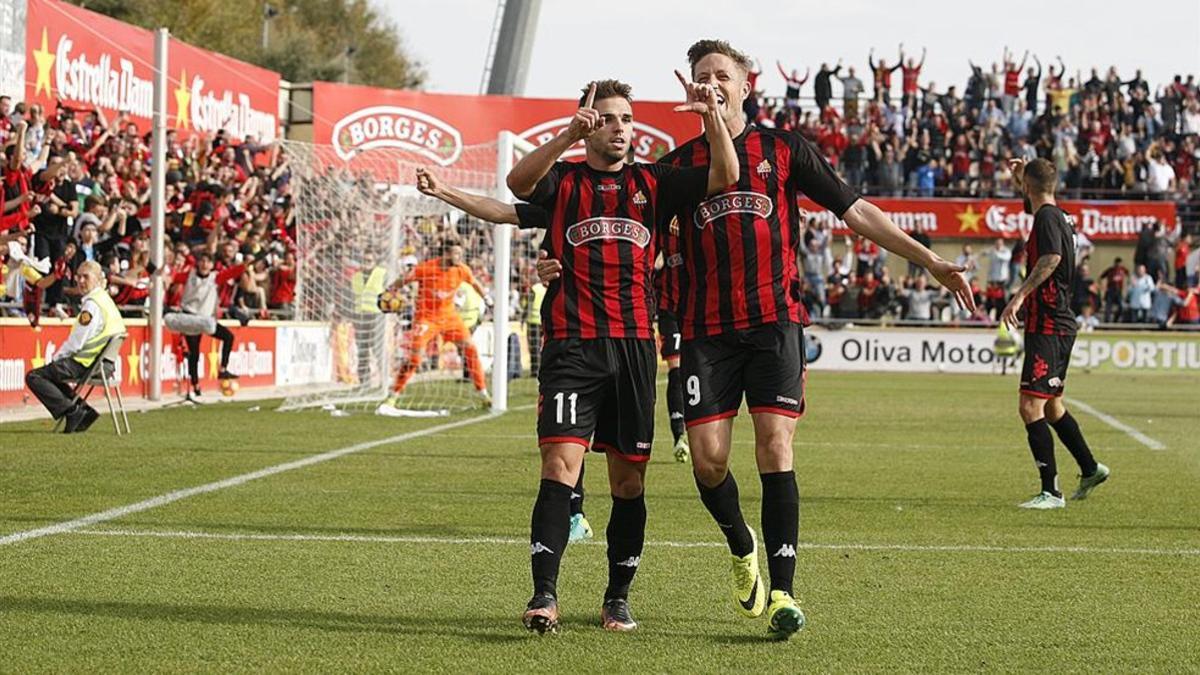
(1024, 59)
(524, 177)
(484, 208)
(1041, 272)
(807, 72)
(782, 70)
(922, 63)
(868, 220)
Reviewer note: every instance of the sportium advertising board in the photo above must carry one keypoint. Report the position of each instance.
(88, 61)
(1005, 218)
(973, 351)
(436, 128)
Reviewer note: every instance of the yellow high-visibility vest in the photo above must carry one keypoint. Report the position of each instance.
(535, 304)
(471, 309)
(113, 325)
(366, 290)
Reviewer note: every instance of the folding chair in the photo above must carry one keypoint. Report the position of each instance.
(100, 374)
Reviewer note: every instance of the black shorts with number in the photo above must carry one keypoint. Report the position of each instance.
(598, 393)
(669, 337)
(765, 364)
(1046, 359)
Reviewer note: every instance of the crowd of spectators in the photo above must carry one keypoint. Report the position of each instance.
(1109, 136)
(1162, 288)
(77, 188)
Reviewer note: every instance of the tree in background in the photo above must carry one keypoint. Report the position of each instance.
(331, 40)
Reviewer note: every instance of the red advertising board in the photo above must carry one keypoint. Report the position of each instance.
(991, 218)
(436, 128)
(89, 60)
(23, 348)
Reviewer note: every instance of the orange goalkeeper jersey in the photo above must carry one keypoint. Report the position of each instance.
(436, 288)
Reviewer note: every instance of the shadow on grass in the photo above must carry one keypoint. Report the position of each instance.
(494, 629)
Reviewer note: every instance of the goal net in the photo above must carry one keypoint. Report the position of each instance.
(361, 228)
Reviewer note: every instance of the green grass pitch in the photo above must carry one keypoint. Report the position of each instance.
(411, 555)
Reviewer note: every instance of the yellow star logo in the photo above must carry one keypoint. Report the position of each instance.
(44, 58)
(969, 219)
(134, 360)
(183, 98)
(37, 361)
(214, 360)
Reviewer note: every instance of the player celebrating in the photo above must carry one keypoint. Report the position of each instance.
(1050, 329)
(596, 383)
(437, 281)
(740, 312)
(669, 336)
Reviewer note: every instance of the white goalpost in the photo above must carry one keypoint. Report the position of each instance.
(361, 225)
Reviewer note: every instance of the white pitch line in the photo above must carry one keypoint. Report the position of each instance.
(1117, 424)
(473, 541)
(171, 497)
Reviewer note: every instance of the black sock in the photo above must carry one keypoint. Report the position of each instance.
(1041, 443)
(781, 526)
(626, 535)
(1068, 432)
(722, 503)
(577, 493)
(548, 530)
(675, 402)
(226, 337)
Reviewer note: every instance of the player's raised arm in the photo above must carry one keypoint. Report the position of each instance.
(524, 177)
(702, 99)
(484, 208)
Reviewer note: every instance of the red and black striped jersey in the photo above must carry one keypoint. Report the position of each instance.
(739, 248)
(1048, 307)
(603, 228)
(666, 278)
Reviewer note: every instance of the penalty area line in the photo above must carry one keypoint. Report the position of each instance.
(513, 541)
(177, 495)
(1117, 424)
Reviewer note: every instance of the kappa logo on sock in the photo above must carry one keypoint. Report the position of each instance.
(1040, 465)
(785, 551)
(632, 561)
(538, 547)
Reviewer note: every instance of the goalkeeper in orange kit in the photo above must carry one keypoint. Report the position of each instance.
(437, 282)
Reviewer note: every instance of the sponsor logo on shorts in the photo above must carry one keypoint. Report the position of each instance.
(1040, 367)
(600, 228)
(730, 203)
(1055, 382)
(785, 399)
(642, 445)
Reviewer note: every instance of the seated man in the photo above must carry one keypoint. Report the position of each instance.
(98, 321)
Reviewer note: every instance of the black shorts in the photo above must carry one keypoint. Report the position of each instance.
(1046, 359)
(766, 364)
(669, 337)
(598, 393)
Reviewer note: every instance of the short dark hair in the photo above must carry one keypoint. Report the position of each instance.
(92, 201)
(703, 48)
(1041, 176)
(608, 89)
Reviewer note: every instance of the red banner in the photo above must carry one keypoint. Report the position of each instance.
(23, 348)
(991, 218)
(89, 60)
(437, 127)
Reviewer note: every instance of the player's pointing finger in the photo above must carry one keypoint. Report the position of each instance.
(591, 96)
